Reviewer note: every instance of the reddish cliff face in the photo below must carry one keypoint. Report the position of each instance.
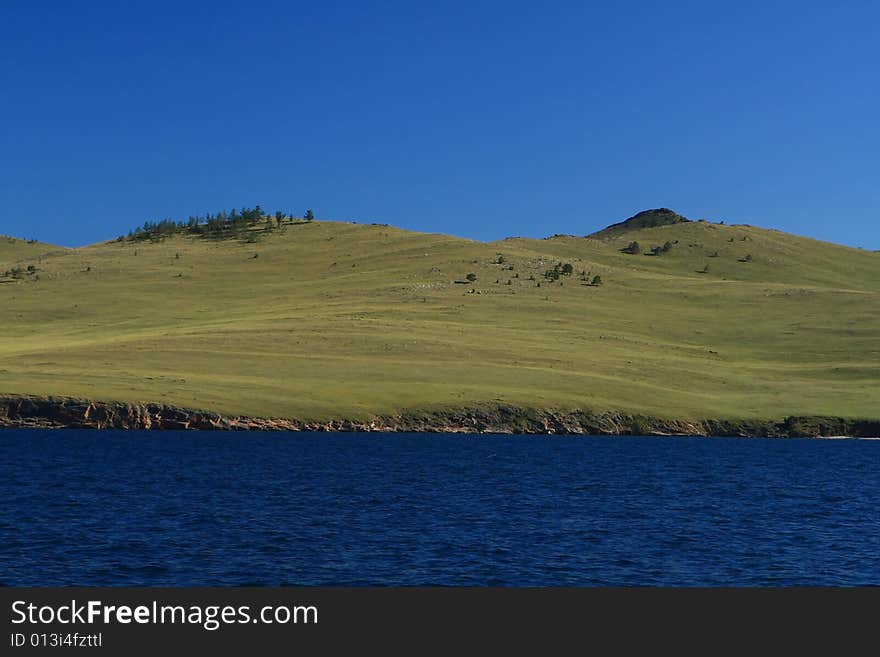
(49, 413)
(73, 413)
(60, 413)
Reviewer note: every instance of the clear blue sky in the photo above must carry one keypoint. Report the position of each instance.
(480, 119)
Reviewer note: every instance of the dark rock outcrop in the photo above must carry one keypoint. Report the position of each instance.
(34, 412)
(644, 219)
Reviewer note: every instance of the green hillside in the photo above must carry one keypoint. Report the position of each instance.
(325, 320)
(14, 250)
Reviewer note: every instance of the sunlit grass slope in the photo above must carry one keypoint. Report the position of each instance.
(14, 250)
(328, 320)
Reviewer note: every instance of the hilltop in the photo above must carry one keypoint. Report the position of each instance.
(316, 321)
(13, 249)
(643, 219)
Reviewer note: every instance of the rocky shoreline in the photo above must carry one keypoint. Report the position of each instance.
(59, 413)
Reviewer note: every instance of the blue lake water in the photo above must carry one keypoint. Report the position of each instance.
(193, 508)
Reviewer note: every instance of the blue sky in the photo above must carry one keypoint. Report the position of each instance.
(480, 119)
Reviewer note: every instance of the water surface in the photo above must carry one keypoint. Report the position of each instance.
(194, 508)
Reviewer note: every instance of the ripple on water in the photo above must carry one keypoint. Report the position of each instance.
(197, 508)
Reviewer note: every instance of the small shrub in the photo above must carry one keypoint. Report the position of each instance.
(633, 248)
(597, 280)
(471, 277)
(558, 270)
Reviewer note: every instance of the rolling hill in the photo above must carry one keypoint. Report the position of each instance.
(325, 320)
(13, 250)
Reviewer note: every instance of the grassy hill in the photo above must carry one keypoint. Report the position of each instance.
(325, 320)
(13, 251)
